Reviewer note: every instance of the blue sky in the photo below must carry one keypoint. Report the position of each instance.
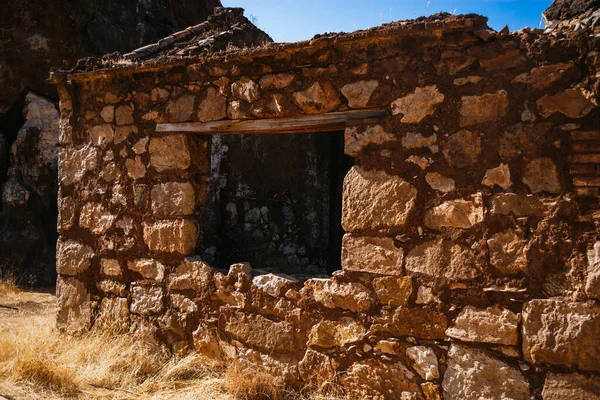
(294, 20)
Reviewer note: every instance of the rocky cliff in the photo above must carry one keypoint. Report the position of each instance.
(36, 36)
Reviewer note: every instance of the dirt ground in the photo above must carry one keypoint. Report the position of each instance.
(19, 309)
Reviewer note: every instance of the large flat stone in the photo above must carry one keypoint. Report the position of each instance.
(74, 312)
(348, 296)
(485, 108)
(356, 138)
(372, 379)
(491, 325)
(571, 387)
(460, 213)
(213, 107)
(74, 163)
(393, 290)
(258, 331)
(170, 152)
(425, 362)
(371, 254)
(519, 206)
(592, 283)
(374, 200)
(359, 93)
(276, 81)
(321, 97)
(172, 236)
(191, 274)
(173, 199)
(498, 176)
(422, 323)
(562, 332)
(148, 268)
(473, 374)
(543, 77)
(72, 257)
(245, 89)
(442, 259)
(571, 103)
(181, 109)
(541, 175)
(328, 334)
(96, 218)
(146, 299)
(417, 105)
(274, 285)
(507, 252)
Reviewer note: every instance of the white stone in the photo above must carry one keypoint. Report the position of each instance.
(417, 105)
(473, 374)
(425, 362)
(491, 325)
(148, 268)
(274, 284)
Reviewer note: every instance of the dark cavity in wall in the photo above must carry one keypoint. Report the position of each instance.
(276, 202)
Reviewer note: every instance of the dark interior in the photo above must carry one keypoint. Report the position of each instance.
(279, 202)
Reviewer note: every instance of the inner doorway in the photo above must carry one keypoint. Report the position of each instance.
(279, 201)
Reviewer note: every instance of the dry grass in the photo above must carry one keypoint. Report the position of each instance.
(8, 287)
(37, 362)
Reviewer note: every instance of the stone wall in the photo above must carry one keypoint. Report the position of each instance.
(470, 264)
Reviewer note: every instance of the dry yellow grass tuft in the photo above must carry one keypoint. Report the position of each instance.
(38, 362)
(8, 287)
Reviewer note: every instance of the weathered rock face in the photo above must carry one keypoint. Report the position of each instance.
(562, 332)
(566, 9)
(473, 374)
(32, 188)
(34, 152)
(42, 35)
(38, 36)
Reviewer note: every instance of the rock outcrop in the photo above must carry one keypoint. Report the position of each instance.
(36, 36)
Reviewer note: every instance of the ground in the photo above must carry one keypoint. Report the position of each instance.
(37, 362)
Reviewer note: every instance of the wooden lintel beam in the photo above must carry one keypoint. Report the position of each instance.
(305, 124)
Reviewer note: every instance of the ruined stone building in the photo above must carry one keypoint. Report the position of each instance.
(210, 184)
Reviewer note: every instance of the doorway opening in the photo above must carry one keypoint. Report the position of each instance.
(279, 201)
